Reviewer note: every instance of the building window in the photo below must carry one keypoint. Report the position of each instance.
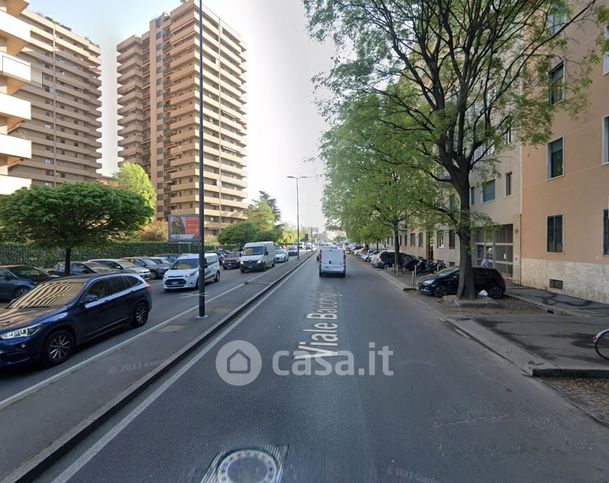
(452, 201)
(508, 184)
(605, 232)
(451, 239)
(440, 238)
(555, 234)
(557, 17)
(420, 239)
(488, 191)
(507, 135)
(606, 140)
(412, 240)
(555, 158)
(606, 56)
(557, 83)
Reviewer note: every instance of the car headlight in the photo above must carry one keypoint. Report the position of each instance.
(428, 282)
(25, 332)
(194, 272)
(258, 262)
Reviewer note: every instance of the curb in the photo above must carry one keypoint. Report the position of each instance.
(574, 373)
(551, 309)
(34, 467)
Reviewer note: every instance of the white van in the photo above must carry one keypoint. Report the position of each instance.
(332, 261)
(257, 256)
(184, 273)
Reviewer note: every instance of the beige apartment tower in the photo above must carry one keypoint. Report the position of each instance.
(65, 105)
(14, 74)
(159, 113)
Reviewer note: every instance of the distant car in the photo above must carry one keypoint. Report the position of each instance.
(157, 270)
(28, 272)
(281, 255)
(221, 254)
(48, 323)
(292, 251)
(12, 286)
(124, 265)
(172, 257)
(231, 260)
(184, 273)
(81, 268)
(446, 282)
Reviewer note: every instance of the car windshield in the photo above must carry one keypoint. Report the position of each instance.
(29, 272)
(186, 264)
(127, 264)
(231, 255)
(259, 250)
(448, 271)
(159, 261)
(50, 294)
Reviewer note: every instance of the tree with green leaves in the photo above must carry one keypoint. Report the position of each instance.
(263, 195)
(369, 177)
(239, 233)
(73, 215)
(261, 214)
(132, 177)
(459, 75)
(155, 231)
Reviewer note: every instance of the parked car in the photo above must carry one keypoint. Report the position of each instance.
(161, 261)
(28, 272)
(124, 265)
(332, 261)
(81, 268)
(12, 286)
(231, 260)
(281, 255)
(157, 270)
(172, 257)
(292, 250)
(184, 273)
(257, 256)
(49, 322)
(221, 254)
(446, 282)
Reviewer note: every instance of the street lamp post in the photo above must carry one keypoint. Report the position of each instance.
(201, 189)
(297, 215)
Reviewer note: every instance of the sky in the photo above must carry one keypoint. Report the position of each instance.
(284, 124)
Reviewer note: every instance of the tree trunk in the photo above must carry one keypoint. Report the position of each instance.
(466, 288)
(68, 261)
(396, 248)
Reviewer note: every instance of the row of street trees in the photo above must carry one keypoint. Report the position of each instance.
(423, 94)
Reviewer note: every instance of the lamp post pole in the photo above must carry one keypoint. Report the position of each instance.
(297, 215)
(201, 178)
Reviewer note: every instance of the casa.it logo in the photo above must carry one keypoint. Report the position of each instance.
(238, 363)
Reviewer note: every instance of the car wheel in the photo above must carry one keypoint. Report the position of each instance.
(495, 292)
(153, 275)
(140, 315)
(20, 291)
(242, 271)
(264, 267)
(57, 348)
(217, 277)
(439, 291)
(197, 284)
(223, 267)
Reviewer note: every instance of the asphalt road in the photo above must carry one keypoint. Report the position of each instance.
(450, 411)
(164, 306)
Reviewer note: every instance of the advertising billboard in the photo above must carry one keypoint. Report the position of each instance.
(183, 227)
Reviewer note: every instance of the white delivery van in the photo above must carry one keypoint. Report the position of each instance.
(257, 256)
(332, 261)
(184, 273)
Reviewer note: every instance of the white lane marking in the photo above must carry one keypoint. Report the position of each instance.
(36, 387)
(101, 443)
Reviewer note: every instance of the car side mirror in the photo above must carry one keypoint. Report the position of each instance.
(266, 252)
(90, 298)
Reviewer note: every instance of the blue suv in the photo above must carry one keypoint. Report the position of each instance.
(48, 323)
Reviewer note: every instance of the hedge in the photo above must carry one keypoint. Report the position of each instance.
(47, 258)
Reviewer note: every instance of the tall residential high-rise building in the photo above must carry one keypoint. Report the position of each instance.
(14, 74)
(159, 109)
(64, 124)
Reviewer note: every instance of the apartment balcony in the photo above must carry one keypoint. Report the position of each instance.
(130, 129)
(15, 110)
(10, 184)
(15, 7)
(134, 95)
(16, 32)
(14, 148)
(134, 83)
(16, 71)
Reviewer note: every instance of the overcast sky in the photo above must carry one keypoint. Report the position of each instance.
(283, 122)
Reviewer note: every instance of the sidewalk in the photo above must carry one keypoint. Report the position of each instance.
(558, 303)
(545, 334)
